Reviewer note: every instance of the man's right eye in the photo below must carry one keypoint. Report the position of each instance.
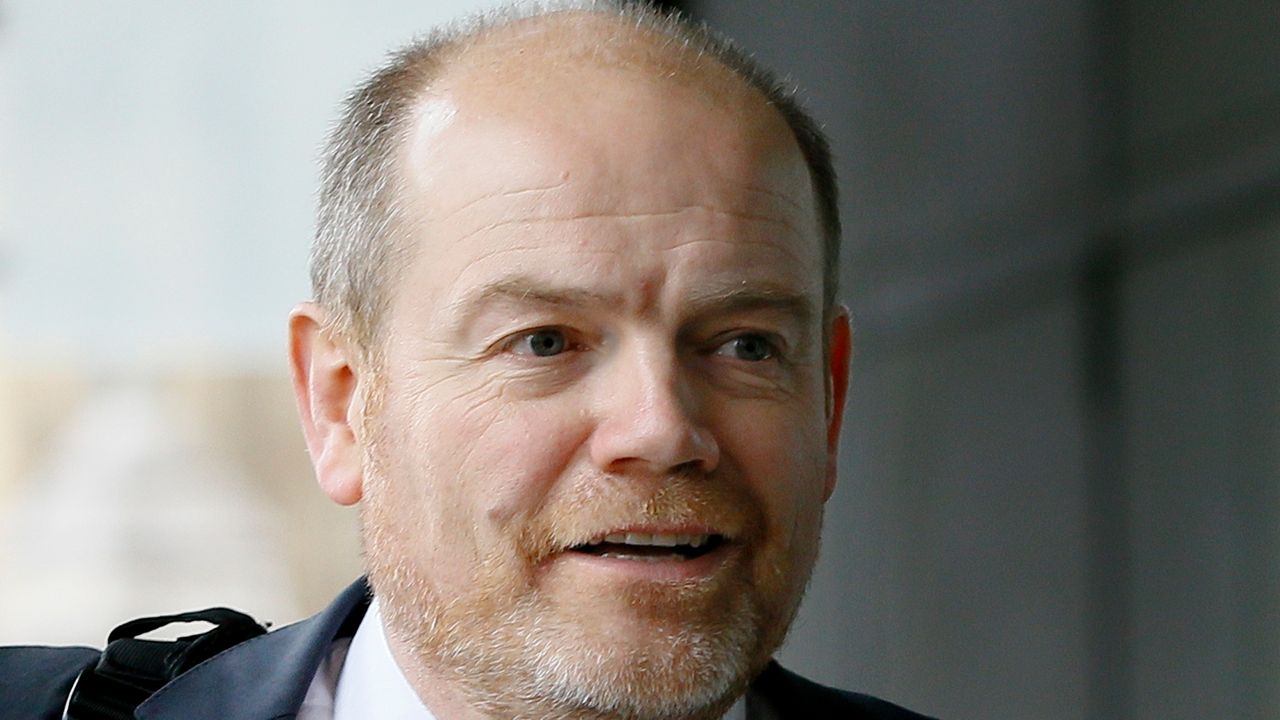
(543, 342)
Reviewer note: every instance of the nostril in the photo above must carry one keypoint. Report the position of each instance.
(663, 444)
(690, 468)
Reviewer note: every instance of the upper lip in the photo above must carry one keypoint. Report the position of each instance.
(664, 537)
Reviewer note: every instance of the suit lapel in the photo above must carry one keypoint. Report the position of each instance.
(262, 678)
(759, 707)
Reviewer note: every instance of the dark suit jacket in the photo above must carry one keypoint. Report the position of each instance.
(266, 678)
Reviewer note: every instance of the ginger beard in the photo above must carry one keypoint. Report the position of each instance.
(519, 646)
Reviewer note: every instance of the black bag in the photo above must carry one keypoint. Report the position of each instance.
(130, 669)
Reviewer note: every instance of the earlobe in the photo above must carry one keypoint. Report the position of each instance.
(840, 353)
(325, 383)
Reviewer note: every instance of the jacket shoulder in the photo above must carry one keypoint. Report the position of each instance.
(35, 681)
(790, 695)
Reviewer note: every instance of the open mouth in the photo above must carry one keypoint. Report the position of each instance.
(641, 546)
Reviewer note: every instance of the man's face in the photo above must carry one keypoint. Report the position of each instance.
(598, 449)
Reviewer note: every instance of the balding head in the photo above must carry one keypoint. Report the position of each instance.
(588, 386)
(506, 61)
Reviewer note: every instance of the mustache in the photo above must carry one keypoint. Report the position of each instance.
(589, 508)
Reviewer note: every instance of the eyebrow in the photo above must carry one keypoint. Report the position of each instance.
(747, 296)
(740, 297)
(525, 290)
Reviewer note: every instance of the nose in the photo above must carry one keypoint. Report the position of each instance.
(649, 418)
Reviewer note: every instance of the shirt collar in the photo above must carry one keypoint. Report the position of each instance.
(371, 684)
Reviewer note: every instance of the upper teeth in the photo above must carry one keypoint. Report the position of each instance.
(657, 540)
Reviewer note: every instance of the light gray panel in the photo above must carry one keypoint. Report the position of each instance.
(952, 576)
(1204, 394)
(1204, 79)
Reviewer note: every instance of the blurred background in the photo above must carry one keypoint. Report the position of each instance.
(1060, 490)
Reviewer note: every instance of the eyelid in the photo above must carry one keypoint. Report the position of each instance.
(507, 343)
(779, 347)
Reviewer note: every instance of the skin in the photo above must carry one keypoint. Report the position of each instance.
(613, 323)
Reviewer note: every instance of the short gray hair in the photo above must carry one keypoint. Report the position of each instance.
(357, 255)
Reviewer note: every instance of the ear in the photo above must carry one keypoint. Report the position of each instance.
(839, 353)
(325, 383)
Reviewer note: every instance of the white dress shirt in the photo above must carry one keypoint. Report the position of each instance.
(360, 680)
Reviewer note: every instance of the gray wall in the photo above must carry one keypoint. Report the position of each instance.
(1060, 492)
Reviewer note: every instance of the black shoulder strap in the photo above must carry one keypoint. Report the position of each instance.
(131, 669)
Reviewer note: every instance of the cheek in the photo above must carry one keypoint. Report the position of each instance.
(782, 456)
(776, 440)
(488, 460)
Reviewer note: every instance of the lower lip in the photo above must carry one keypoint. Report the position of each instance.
(648, 569)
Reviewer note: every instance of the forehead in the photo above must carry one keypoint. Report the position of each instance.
(567, 43)
(537, 128)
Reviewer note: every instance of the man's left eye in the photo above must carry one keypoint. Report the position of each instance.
(544, 342)
(751, 347)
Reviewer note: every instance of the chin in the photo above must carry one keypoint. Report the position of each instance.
(652, 669)
(656, 653)
(536, 659)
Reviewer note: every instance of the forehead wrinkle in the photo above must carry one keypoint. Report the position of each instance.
(492, 253)
(549, 219)
(525, 289)
(784, 247)
(502, 195)
(565, 184)
(775, 195)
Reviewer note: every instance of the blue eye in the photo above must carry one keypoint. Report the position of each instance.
(750, 348)
(546, 342)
